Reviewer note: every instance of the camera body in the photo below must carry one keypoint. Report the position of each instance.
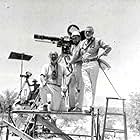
(54, 75)
(65, 43)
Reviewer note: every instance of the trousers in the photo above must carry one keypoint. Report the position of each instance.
(52, 93)
(76, 88)
(90, 72)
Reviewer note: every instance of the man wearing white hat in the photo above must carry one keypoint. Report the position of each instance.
(76, 83)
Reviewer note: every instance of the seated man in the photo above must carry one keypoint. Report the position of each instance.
(53, 83)
(32, 96)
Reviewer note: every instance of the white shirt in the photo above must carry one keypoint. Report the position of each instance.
(47, 70)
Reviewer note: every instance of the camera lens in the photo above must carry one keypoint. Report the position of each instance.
(54, 75)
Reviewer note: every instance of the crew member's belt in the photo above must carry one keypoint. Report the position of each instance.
(78, 62)
(54, 84)
(89, 60)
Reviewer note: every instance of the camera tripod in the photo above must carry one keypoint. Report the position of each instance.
(26, 76)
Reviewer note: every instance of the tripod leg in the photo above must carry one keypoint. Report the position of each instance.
(19, 95)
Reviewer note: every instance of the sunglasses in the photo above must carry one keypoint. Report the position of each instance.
(89, 32)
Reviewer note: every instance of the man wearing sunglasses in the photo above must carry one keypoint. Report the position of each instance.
(90, 65)
(89, 54)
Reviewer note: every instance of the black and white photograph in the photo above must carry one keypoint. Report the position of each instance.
(69, 70)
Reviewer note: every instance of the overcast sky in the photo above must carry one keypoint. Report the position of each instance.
(116, 22)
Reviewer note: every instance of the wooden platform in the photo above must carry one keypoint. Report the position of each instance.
(49, 112)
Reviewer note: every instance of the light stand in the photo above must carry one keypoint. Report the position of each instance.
(22, 57)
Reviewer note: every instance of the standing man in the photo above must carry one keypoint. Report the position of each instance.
(90, 65)
(53, 83)
(76, 90)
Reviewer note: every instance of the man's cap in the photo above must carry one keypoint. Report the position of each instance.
(75, 33)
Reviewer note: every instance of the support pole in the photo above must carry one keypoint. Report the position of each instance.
(92, 124)
(125, 124)
(21, 71)
(7, 133)
(105, 119)
(98, 126)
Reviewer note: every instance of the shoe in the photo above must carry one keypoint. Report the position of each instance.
(77, 109)
(45, 107)
(70, 109)
(89, 111)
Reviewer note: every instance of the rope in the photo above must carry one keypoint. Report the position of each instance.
(111, 83)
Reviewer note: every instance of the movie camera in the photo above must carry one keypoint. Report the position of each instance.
(63, 42)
